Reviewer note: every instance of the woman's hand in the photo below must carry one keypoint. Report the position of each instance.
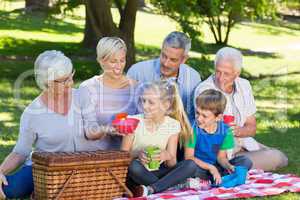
(215, 173)
(113, 131)
(4, 182)
(143, 158)
(97, 132)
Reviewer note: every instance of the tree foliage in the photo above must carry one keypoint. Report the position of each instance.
(99, 21)
(219, 15)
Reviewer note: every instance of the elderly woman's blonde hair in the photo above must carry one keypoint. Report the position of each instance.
(51, 65)
(108, 46)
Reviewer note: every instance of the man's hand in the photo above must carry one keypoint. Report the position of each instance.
(237, 131)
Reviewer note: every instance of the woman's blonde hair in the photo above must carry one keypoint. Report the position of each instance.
(168, 91)
(108, 46)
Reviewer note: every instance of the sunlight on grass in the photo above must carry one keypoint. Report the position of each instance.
(5, 116)
(7, 142)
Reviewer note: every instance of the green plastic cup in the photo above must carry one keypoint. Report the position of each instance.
(151, 151)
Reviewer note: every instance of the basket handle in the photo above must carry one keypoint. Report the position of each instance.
(65, 185)
(120, 183)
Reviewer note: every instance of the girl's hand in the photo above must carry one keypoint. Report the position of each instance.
(161, 156)
(164, 156)
(143, 158)
(215, 173)
(2, 181)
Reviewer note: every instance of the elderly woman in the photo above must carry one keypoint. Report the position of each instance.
(50, 123)
(241, 105)
(103, 96)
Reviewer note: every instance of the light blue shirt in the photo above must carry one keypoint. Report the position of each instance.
(187, 81)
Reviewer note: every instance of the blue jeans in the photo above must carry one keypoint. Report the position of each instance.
(236, 161)
(161, 179)
(20, 184)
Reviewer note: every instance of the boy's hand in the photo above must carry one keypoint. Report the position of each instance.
(215, 173)
(231, 168)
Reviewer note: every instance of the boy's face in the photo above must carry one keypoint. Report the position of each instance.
(206, 118)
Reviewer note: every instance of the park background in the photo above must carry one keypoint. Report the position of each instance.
(268, 37)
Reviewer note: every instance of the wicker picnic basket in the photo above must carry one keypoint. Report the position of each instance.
(80, 175)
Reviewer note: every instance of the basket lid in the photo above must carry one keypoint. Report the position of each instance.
(60, 158)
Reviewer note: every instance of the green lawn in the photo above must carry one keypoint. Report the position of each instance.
(267, 49)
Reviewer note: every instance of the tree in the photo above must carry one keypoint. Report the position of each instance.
(36, 5)
(219, 15)
(99, 23)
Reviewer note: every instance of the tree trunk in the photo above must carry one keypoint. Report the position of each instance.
(212, 28)
(141, 3)
(127, 26)
(36, 5)
(99, 23)
(219, 28)
(230, 24)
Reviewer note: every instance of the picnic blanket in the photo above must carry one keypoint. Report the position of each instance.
(258, 184)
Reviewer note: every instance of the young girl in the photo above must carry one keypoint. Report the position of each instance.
(162, 123)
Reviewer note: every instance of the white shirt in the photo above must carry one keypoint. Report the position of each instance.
(159, 137)
(240, 104)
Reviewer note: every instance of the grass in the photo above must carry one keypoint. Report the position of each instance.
(268, 48)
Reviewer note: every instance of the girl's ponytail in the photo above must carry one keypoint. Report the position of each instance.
(177, 112)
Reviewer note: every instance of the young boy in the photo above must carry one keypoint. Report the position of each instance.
(212, 137)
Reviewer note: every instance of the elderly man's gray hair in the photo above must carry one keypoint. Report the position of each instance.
(51, 65)
(231, 54)
(178, 40)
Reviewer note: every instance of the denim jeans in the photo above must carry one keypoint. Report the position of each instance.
(236, 161)
(161, 179)
(20, 184)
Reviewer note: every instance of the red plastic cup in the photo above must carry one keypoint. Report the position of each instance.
(121, 116)
(125, 125)
(228, 119)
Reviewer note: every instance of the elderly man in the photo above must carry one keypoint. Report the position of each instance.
(241, 105)
(170, 65)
